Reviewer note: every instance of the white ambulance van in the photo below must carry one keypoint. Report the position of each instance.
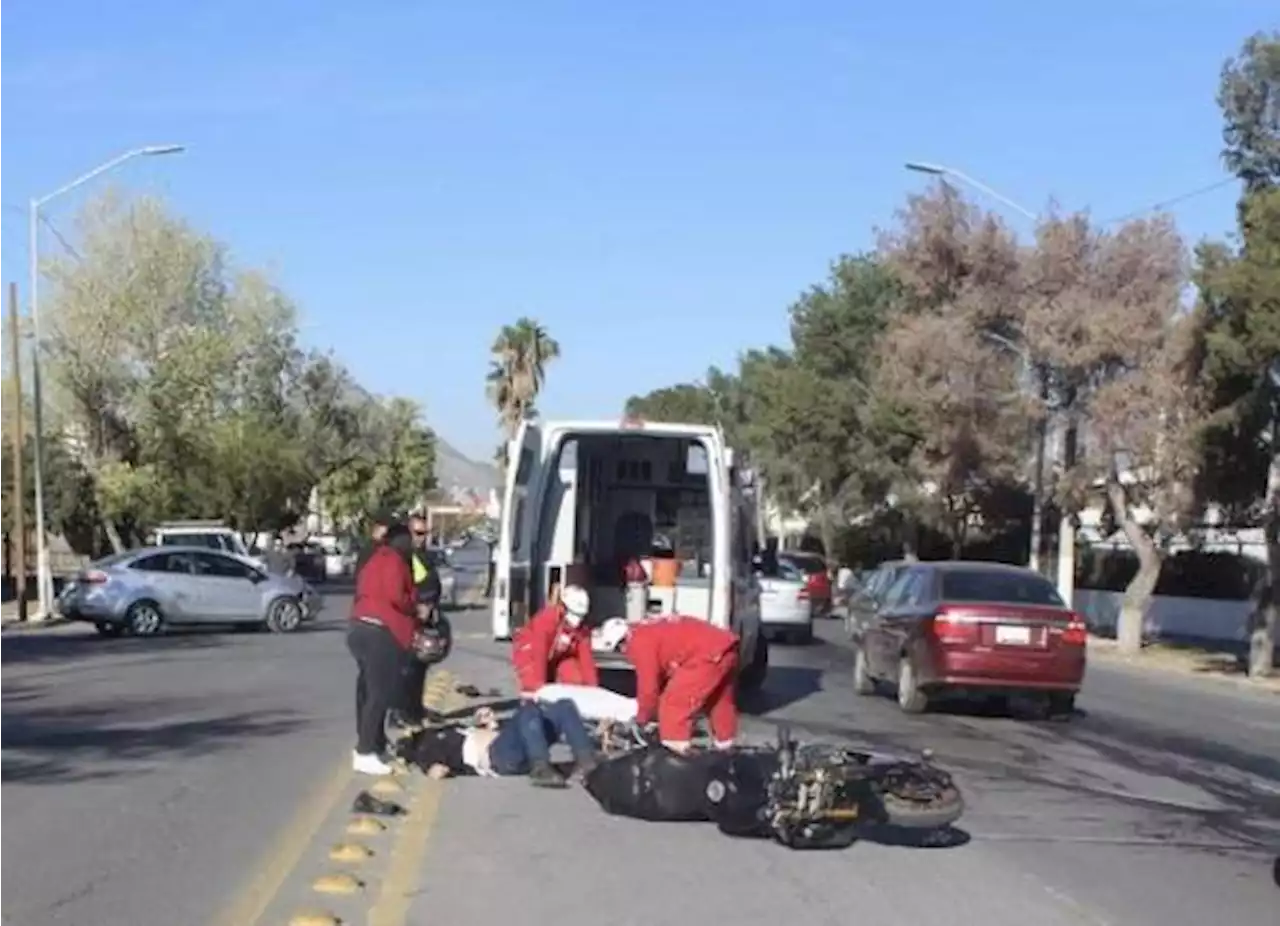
(582, 498)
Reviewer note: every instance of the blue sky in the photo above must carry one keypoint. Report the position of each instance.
(654, 181)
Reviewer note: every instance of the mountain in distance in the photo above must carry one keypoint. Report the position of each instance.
(457, 473)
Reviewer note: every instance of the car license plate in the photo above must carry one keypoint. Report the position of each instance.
(1013, 636)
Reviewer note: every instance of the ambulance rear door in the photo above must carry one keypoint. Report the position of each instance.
(512, 570)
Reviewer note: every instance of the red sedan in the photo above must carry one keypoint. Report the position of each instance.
(972, 629)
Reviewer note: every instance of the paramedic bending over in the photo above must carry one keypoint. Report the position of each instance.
(556, 645)
(684, 667)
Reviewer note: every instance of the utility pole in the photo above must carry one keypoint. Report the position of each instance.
(19, 544)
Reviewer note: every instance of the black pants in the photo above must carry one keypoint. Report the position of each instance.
(379, 684)
(413, 678)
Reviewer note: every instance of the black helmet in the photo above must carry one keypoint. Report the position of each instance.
(433, 642)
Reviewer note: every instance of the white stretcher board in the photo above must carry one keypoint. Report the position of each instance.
(592, 703)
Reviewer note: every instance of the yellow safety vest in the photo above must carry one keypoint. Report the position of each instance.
(420, 570)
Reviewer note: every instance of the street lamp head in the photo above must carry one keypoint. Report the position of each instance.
(153, 150)
(923, 167)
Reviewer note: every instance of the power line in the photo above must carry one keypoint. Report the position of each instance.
(1157, 207)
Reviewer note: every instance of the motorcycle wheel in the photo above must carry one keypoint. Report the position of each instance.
(942, 811)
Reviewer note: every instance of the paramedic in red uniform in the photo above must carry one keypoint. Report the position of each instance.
(555, 645)
(684, 667)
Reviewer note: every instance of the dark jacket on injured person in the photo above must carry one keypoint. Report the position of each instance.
(511, 747)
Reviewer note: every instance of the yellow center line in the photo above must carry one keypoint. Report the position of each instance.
(252, 901)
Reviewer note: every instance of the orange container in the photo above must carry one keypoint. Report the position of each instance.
(665, 572)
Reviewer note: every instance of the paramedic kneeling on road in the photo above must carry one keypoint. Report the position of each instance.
(555, 646)
(684, 667)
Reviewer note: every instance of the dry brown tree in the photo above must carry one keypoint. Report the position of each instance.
(1103, 311)
(1087, 323)
(960, 273)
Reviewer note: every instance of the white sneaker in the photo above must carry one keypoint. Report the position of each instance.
(369, 764)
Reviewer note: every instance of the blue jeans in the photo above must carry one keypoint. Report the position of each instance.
(527, 736)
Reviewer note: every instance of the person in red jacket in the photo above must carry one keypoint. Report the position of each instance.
(555, 645)
(383, 621)
(684, 667)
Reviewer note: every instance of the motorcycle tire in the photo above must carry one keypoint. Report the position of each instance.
(940, 812)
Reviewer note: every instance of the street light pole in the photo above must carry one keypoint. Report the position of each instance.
(44, 574)
(939, 170)
(1037, 482)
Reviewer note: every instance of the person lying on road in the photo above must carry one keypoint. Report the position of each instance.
(555, 646)
(519, 745)
(684, 667)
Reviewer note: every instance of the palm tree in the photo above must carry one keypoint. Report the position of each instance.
(521, 353)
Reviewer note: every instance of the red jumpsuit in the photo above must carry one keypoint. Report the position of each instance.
(547, 648)
(684, 667)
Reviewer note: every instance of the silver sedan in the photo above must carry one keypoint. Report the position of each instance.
(143, 591)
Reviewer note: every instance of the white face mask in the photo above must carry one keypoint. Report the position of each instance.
(572, 621)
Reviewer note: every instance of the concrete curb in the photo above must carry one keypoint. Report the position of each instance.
(13, 625)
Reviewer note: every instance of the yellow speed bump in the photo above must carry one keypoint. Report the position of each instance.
(349, 852)
(314, 918)
(365, 826)
(339, 883)
(386, 786)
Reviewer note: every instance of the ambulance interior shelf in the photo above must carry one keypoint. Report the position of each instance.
(616, 495)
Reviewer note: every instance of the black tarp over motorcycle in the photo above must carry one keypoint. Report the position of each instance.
(810, 796)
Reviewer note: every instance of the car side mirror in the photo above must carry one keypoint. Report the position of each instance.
(255, 577)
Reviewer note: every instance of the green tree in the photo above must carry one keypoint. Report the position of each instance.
(689, 403)
(181, 385)
(70, 504)
(395, 476)
(1249, 96)
(1238, 318)
(850, 448)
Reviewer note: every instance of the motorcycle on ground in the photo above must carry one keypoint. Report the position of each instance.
(804, 796)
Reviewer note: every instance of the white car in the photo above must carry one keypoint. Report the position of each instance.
(786, 613)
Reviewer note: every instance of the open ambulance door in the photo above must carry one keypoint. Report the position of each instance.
(516, 538)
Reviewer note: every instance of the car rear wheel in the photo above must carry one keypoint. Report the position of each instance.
(910, 698)
(144, 619)
(284, 615)
(751, 676)
(1061, 704)
(863, 683)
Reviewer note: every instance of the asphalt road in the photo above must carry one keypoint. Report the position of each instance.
(163, 782)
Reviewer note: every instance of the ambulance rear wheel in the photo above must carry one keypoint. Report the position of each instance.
(751, 676)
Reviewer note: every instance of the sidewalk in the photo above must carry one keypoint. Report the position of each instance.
(1185, 661)
(9, 617)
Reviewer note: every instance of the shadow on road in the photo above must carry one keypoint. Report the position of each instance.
(950, 837)
(29, 646)
(1073, 758)
(783, 685)
(74, 643)
(85, 743)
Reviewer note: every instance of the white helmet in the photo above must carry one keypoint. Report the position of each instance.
(613, 632)
(576, 603)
